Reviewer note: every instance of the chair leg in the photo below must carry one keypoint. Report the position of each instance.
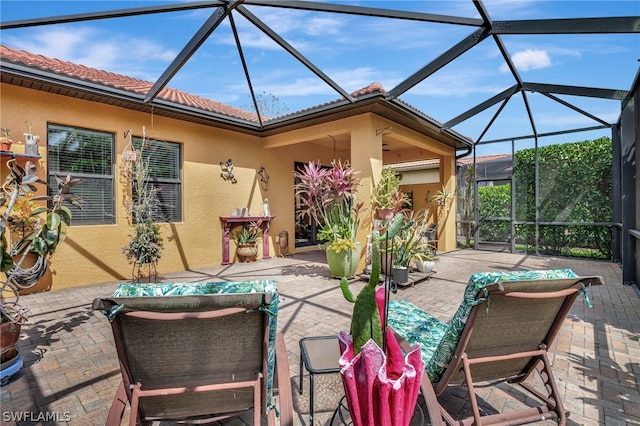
(431, 401)
(553, 400)
(120, 401)
(135, 397)
(472, 392)
(284, 382)
(257, 403)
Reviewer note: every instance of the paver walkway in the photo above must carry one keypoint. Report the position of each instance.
(71, 370)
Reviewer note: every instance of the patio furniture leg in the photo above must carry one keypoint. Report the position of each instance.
(472, 392)
(301, 370)
(118, 406)
(311, 399)
(431, 401)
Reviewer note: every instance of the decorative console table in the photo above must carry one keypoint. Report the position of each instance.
(230, 222)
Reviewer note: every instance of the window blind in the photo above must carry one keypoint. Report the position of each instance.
(86, 154)
(164, 162)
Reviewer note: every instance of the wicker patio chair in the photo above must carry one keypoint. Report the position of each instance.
(501, 332)
(198, 352)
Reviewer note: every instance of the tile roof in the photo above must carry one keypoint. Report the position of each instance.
(141, 87)
(434, 162)
(415, 165)
(118, 81)
(484, 158)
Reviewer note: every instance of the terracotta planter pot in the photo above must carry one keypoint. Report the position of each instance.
(385, 262)
(5, 146)
(247, 252)
(385, 214)
(9, 335)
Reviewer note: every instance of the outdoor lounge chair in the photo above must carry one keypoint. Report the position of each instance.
(501, 332)
(198, 351)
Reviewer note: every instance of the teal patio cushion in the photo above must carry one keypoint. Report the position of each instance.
(416, 326)
(439, 340)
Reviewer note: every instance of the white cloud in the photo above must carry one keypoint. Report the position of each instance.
(566, 120)
(529, 59)
(94, 48)
(461, 83)
(59, 44)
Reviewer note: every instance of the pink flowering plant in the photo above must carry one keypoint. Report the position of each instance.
(328, 196)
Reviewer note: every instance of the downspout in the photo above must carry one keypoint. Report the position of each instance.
(464, 154)
(475, 192)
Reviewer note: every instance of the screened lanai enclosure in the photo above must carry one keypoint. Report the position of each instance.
(546, 94)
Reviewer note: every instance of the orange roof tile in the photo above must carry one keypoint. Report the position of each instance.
(141, 87)
(118, 81)
(484, 158)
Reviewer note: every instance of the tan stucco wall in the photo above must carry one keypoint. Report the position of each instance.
(92, 254)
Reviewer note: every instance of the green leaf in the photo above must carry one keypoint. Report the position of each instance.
(65, 214)
(38, 210)
(51, 236)
(7, 263)
(29, 179)
(53, 220)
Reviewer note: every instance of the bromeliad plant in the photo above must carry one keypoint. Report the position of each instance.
(328, 196)
(248, 233)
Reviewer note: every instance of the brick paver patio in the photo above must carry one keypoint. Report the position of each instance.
(71, 371)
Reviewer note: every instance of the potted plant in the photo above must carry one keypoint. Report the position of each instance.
(145, 246)
(31, 140)
(20, 220)
(387, 199)
(409, 246)
(246, 237)
(49, 228)
(32, 273)
(375, 372)
(443, 197)
(426, 260)
(5, 139)
(45, 226)
(328, 196)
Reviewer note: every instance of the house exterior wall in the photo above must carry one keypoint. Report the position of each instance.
(92, 253)
(417, 177)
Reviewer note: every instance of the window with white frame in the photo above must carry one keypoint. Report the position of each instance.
(87, 154)
(164, 162)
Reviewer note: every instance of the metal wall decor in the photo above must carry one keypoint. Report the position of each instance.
(227, 171)
(264, 178)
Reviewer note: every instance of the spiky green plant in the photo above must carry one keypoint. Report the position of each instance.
(365, 320)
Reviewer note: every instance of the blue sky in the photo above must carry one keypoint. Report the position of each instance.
(354, 52)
